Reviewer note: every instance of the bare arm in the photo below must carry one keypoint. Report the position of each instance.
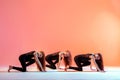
(66, 67)
(37, 61)
(91, 62)
(93, 58)
(92, 67)
(58, 66)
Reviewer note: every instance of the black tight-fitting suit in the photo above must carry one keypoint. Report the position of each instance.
(25, 60)
(81, 60)
(52, 59)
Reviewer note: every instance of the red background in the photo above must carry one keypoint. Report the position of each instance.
(81, 26)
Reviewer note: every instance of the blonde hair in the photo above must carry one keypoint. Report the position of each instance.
(42, 61)
(100, 61)
(68, 58)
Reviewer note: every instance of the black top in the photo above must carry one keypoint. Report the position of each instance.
(84, 57)
(28, 55)
(54, 55)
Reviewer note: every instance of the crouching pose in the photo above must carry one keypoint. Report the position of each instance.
(87, 59)
(55, 58)
(28, 59)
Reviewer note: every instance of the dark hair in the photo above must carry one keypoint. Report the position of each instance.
(42, 60)
(68, 58)
(100, 62)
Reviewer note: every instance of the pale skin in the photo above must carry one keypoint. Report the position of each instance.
(61, 54)
(94, 62)
(36, 55)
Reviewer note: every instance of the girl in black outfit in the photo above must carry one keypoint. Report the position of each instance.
(86, 59)
(52, 59)
(55, 58)
(28, 59)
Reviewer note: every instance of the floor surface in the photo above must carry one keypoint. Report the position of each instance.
(110, 74)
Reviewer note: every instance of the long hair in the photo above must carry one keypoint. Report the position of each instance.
(68, 58)
(100, 62)
(42, 60)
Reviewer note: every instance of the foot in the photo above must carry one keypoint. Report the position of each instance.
(52, 67)
(10, 67)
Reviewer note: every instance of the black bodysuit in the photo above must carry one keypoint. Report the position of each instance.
(25, 59)
(81, 60)
(52, 59)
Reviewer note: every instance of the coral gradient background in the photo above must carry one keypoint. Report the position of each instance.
(81, 26)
